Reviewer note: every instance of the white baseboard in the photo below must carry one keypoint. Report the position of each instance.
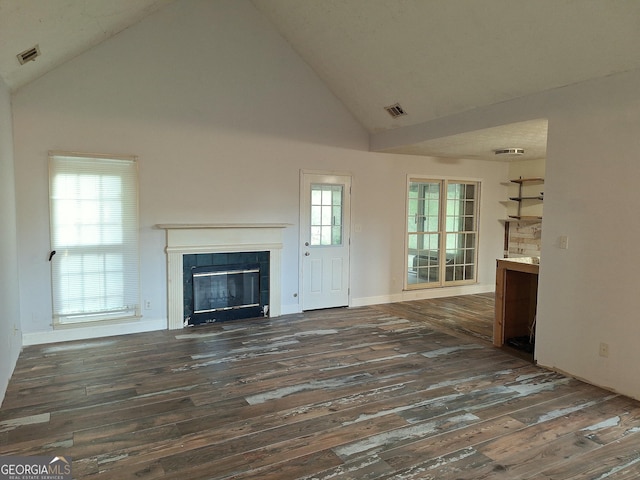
(93, 331)
(423, 294)
(144, 325)
(407, 296)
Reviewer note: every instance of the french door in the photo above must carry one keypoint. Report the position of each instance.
(442, 232)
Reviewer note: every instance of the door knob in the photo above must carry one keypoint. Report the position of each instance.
(306, 244)
(306, 254)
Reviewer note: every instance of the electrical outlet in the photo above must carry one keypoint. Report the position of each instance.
(604, 349)
(147, 304)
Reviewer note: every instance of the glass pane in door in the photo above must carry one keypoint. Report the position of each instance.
(423, 232)
(461, 232)
(326, 214)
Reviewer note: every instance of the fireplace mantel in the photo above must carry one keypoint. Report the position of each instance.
(184, 239)
(182, 226)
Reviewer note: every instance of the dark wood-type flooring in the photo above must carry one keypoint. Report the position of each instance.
(406, 391)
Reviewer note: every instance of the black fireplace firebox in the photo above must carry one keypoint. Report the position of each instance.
(227, 291)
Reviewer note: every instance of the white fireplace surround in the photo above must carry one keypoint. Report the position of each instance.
(183, 239)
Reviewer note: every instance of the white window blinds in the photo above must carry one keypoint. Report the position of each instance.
(94, 232)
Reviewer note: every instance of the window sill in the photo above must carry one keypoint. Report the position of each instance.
(96, 323)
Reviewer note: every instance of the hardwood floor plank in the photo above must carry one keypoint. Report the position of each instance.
(412, 390)
(414, 453)
(619, 458)
(363, 468)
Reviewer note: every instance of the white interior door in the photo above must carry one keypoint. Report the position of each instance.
(325, 236)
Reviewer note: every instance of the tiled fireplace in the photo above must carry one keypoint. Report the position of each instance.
(193, 239)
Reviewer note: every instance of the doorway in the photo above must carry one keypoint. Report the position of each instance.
(325, 219)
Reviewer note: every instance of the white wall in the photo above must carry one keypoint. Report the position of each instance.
(10, 330)
(223, 115)
(587, 293)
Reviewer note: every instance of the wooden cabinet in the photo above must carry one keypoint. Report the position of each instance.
(516, 302)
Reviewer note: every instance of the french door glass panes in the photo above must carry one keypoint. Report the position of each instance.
(441, 232)
(326, 214)
(424, 232)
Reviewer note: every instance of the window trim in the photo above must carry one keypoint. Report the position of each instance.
(443, 181)
(127, 314)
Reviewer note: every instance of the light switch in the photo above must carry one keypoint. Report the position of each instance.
(563, 242)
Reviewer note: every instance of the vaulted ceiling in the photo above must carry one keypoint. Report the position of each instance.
(433, 57)
(63, 29)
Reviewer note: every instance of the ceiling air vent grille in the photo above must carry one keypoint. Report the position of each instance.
(29, 55)
(395, 110)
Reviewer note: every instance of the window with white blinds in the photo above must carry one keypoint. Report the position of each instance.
(94, 233)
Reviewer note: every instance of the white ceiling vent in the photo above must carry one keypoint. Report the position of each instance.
(29, 55)
(395, 110)
(509, 151)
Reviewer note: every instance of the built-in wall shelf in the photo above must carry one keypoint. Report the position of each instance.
(534, 197)
(521, 197)
(528, 180)
(523, 218)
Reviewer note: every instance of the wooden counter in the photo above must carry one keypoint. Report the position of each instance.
(516, 298)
